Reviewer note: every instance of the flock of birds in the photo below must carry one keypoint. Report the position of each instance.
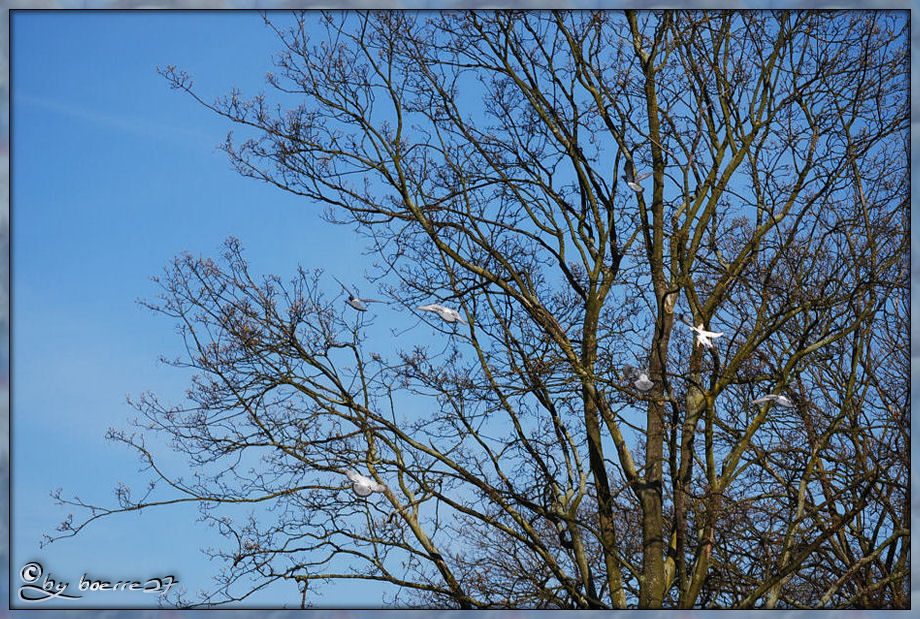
(365, 486)
(644, 384)
(362, 485)
(447, 314)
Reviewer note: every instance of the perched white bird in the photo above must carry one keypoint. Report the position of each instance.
(364, 486)
(780, 400)
(353, 300)
(447, 314)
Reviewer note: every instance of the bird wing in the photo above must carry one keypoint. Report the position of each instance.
(371, 300)
(684, 320)
(635, 187)
(628, 173)
(343, 286)
(355, 477)
(378, 487)
(643, 176)
(780, 400)
(429, 308)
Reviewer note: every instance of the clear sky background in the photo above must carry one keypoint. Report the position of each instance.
(113, 174)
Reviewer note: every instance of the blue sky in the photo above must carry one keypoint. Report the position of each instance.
(113, 174)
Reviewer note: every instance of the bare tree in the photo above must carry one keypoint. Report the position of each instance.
(569, 182)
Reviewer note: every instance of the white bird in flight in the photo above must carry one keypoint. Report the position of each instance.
(353, 300)
(780, 400)
(447, 314)
(703, 337)
(364, 486)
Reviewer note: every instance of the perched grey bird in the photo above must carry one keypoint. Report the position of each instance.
(364, 486)
(703, 337)
(446, 314)
(780, 400)
(353, 300)
(643, 383)
(637, 378)
(630, 372)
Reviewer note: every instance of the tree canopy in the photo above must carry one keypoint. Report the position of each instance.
(495, 163)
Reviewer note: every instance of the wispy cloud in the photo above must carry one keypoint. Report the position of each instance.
(136, 125)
